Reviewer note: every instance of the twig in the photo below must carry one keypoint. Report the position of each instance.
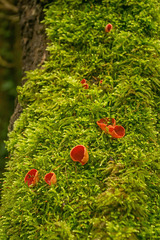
(5, 5)
(5, 64)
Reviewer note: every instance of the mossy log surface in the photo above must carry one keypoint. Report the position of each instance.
(115, 195)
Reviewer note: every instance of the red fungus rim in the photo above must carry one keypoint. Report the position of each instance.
(48, 178)
(103, 123)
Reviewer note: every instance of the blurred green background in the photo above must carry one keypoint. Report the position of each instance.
(10, 69)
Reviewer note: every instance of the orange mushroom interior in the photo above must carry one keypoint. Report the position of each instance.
(78, 153)
(119, 130)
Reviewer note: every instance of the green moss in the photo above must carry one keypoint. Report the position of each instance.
(116, 194)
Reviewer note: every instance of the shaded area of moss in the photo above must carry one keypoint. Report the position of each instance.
(116, 194)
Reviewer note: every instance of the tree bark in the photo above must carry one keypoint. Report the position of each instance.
(33, 42)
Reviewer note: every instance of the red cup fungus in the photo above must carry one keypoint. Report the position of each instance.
(108, 27)
(50, 178)
(79, 154)
(103, 123)
(84, 83)
(116, 131)
(31, 177)
(86, 86)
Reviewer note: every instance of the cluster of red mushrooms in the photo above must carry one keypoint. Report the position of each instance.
(79, 153)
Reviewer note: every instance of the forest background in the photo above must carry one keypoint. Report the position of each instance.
(10, 69)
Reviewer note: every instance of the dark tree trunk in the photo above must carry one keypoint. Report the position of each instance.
(33, 42)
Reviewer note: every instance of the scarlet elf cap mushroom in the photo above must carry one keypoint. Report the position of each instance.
(50, 178)
(108, 27)
(103, 123)
(84, 83)
(79, 154)
(31, 177)
(116, 131)
(86, 86)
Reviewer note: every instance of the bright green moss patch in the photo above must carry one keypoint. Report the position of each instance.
(116, 194)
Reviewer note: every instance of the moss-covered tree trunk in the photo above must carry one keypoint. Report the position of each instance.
(115, 194)
(33, 41)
